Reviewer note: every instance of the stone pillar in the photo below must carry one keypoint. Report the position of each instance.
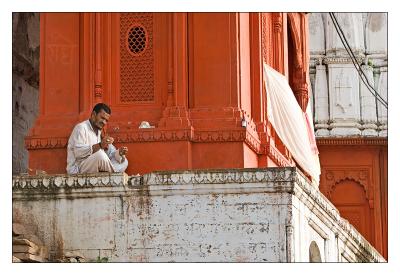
(344, 81)
(382, 111)
(368, 105)
(321, 101)
(344, 100)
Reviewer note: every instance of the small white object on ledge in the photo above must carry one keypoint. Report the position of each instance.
(145, 125)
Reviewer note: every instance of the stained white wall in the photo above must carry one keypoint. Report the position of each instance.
(243, 215)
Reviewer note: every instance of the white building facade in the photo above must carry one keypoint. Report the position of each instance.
(342, 103)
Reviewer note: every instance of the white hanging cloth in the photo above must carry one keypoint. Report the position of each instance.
(293, 126)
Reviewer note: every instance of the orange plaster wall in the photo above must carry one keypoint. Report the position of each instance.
(147, 157)
(61, 73)
(207, 79)
(354, 178)
(250, 158)
(213, 60)
(218, 155)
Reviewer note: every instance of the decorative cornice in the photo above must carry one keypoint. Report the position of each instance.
(352, 141)
(59, 181)
(157, 135)
(254, 143)
(358, 175)
(45, 143)
(278, 157)
(218, 176)
(340, 60)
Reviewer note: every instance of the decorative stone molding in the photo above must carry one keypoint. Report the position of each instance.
(337, 176)
(45, 143)
(352, 141)
(222, 176)
(52, 182)
(341, 60)
(278, 157)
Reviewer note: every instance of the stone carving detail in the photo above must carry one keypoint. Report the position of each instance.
(155, 135)
(41, 143)
(51, 182)
(343, 91)
(136, 72)
(351, 141)
(336, 176)
(238, 176)
(267, 38)
(344, 100)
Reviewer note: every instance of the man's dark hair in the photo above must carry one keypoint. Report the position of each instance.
(101, 106)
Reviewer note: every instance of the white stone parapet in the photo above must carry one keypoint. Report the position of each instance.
(229, 215)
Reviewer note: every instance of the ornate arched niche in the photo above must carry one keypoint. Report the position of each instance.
(351, 199)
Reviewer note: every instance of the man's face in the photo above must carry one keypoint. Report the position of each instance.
(100, 119)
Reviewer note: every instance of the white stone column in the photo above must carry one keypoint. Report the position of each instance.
(344, 99)
(368, 104)
(382, 111)
(321, 101)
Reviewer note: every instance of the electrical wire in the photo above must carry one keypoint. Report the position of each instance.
(352, 55)
(355, 62)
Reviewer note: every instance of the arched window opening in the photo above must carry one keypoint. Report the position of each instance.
(314, 253)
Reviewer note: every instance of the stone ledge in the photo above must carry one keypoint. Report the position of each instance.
(287, 180)
(57, 181)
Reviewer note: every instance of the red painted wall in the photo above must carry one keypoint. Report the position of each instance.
(354, 178)
(195, 79)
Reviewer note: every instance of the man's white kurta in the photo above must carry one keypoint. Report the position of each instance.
(80, 143)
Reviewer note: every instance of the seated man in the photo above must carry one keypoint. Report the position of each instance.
(88, 152)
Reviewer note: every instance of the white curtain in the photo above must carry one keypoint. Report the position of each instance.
(293, 126)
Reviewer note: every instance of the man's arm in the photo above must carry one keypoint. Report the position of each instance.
(81, 149)
(96, 147)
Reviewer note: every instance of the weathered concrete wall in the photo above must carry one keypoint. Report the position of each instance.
(250, 215)
(25, 87)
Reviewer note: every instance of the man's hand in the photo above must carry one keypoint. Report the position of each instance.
(105, 141)
(123, 150)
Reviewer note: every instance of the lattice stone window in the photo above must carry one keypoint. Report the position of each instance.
(136, 39)
(136, 58)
